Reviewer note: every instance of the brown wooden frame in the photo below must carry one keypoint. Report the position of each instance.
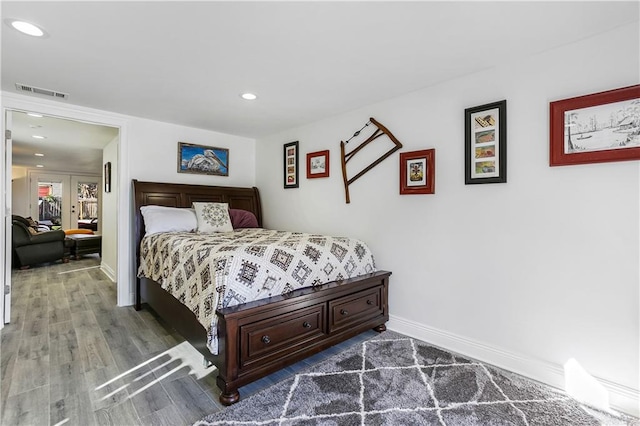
(558, 126)
(334, 311)
(429, 158)
(312, 155)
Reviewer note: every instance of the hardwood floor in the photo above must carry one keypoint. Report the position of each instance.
(71, 356)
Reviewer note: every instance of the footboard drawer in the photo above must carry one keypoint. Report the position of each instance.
(354, 308)
(266, 338)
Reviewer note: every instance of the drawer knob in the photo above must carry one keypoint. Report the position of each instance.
(306, 324)
(344, 312)
(266, 340)
(369, 302)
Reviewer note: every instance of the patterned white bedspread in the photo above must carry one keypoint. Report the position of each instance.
(212, 271)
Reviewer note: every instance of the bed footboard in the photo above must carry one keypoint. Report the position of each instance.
(265, 336)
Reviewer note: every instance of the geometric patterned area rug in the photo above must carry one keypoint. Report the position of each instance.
(395, 380)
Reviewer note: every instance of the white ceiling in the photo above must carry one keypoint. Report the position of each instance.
(188, 62)
(70, 146)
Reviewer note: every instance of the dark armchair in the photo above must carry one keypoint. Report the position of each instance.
(30, 247)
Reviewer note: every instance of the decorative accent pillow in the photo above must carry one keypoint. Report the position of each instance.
(213, 217)
(32, 226)
(168, 219)
(78, 231)
(243, 219)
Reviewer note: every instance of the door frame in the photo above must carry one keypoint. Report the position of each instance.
(6, 228)
(15, 102)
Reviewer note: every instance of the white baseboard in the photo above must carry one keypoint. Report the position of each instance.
(622, 398)
(110, 273)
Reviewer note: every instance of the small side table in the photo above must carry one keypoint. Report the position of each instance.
(85, 244)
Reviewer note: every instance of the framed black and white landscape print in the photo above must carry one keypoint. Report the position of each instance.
(595, 128)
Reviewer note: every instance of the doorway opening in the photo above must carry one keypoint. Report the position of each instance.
(57, 179)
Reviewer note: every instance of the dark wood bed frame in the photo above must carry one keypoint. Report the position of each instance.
(260, 337)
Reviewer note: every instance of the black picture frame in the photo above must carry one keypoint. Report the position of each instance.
(290, 165)
(485, 157)
(107, 176)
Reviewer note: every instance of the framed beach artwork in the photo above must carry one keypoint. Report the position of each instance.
(291, 165)
(595, 128)
(201, 159)
(318, 164)
(486, 143)
(418, 172)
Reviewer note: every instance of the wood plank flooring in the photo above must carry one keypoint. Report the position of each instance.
(70, 356)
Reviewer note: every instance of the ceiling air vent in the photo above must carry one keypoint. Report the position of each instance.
(40, 91)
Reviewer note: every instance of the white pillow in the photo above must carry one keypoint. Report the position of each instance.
(213, 217)
(168, 219)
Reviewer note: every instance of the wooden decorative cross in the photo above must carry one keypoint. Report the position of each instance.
(380, 131)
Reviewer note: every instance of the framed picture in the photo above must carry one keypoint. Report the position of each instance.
(418, 172)
(107, 176)
(318, 164)
(291, 165)
(485, 157)
(595, 128)
(201, 159)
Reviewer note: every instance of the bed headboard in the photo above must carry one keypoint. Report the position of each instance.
(182, 195)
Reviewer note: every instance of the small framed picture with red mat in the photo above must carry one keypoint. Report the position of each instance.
(318, 164)
(418, 172)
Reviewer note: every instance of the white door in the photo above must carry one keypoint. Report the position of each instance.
(85, 202)
(7, 220)
(50, 199)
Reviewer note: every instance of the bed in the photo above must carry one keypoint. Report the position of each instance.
(257, 338)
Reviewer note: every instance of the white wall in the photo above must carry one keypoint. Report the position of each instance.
(153, 156)
(20, 191)
(525, 274)
(109, 214)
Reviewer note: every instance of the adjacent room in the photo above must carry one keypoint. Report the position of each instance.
(56, 184)
(318, 212)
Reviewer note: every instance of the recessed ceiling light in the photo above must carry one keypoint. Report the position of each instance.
(33, 114)
(37, 154)
(249, 96)
(39, 165)
(27, 28)
(38, 137)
